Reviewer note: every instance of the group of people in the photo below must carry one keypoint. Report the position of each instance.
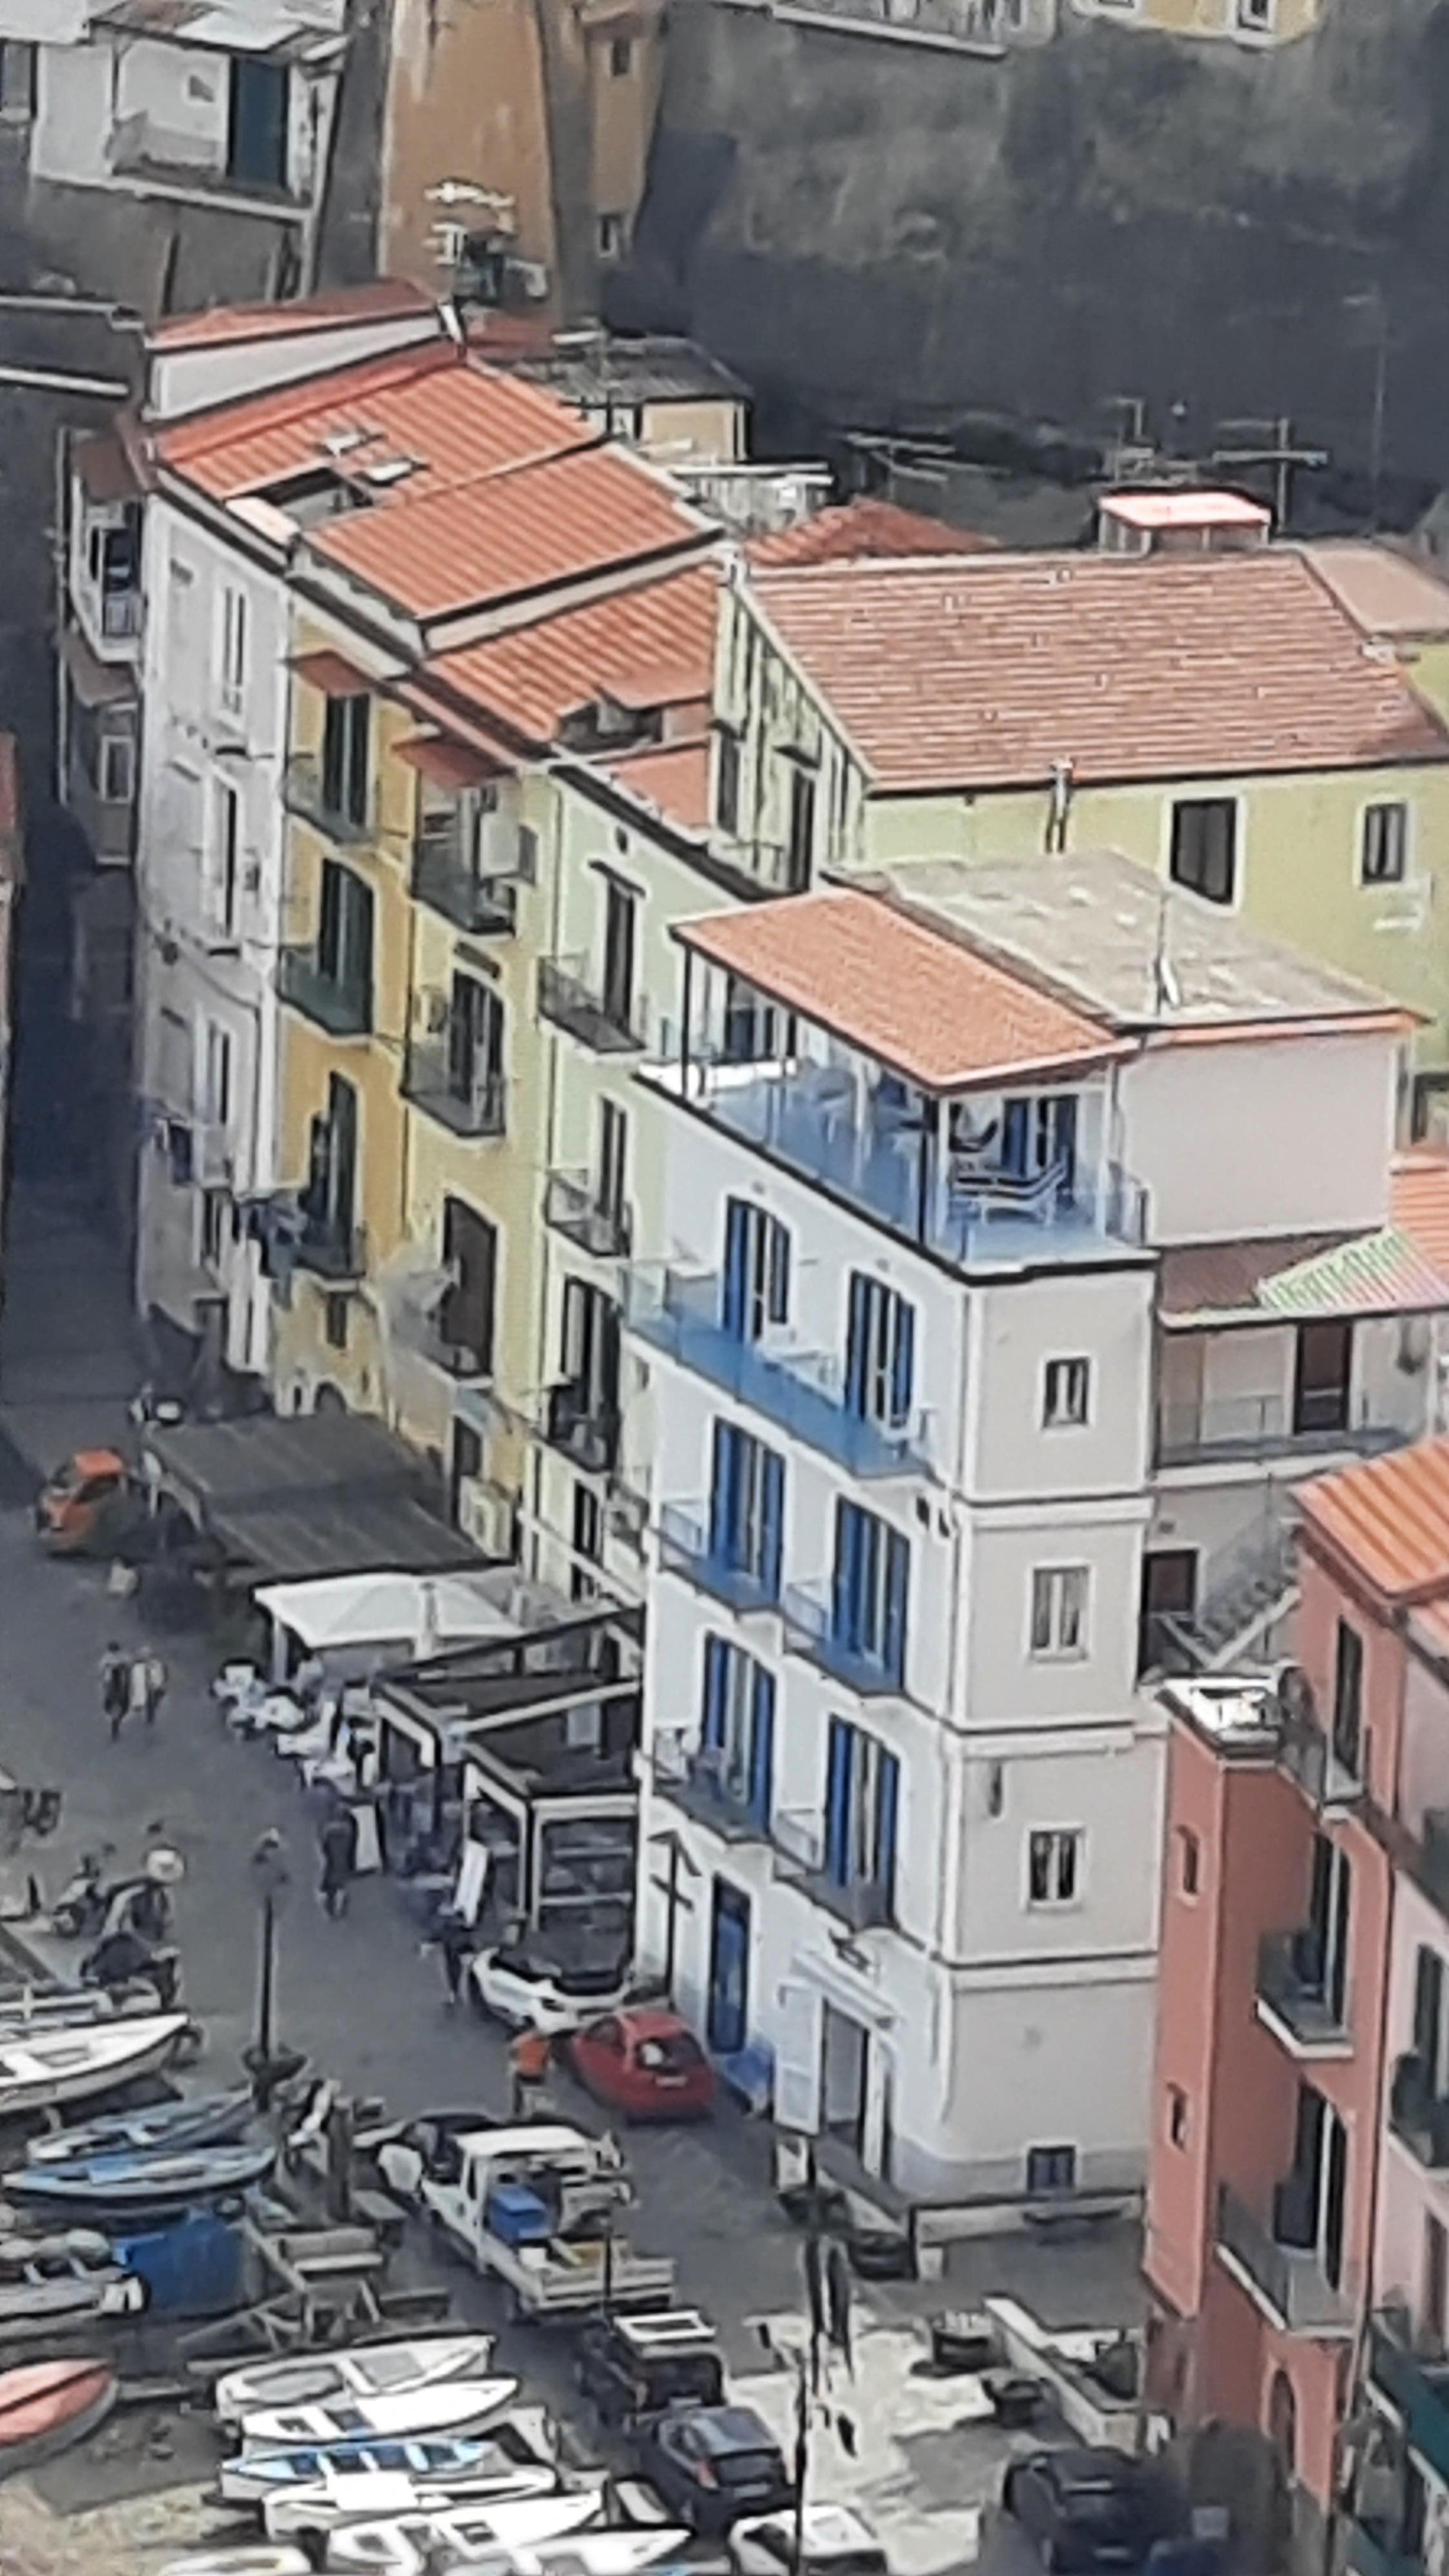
(131, 1686)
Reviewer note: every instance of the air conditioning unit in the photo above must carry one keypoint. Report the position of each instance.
(486, 1516)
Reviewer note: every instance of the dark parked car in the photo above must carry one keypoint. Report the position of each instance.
(714, 2464)
(1086, 2510)
(635, 2366)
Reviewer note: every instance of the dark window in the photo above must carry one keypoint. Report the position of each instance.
(879, 1352)
(344, 931)
(727, 781)
(1434, 2316)
(747, 1506)
(590, 1351)
(620, 911)
(753, 1028)
(800, 844)
(737, 1727)
(346, 743)
(1189, 1861)
(1051, 2168)
(18, 62)
(228, 822)
(1384, 853)
(862, 1807)
(475, 1040)
(1204, 846)
(755, 1290)
(1348, 1697)
(1429, 2016)
(335, 1312)
(621, 58)
(610, 1177)
(1177, 2115)
(870, 1589)
(215, 1209)
(470, 1252)
(330, 1196)
(256, 147)
(1068, 1387)
(1321, 1379)
(588, 1533)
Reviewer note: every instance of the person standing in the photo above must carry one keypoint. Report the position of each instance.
(156, 1685)
(455, 1944)
(115, 1688)
(339, 1859)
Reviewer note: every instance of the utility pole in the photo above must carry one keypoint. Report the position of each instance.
(1280, 454)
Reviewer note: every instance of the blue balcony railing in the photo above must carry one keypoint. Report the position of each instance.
(680, 1315)
(810, 1628)
(686, 1547)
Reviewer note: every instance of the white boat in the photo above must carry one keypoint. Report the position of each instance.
(44, 2066)
(520, 2459)
(411, 2544)
(449, 2406)
(262, 2560)
(369, 2370)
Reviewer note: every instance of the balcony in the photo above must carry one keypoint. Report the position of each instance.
(1417, 2384)
(108, 822)
(572, 1206)
(468, 1102)
(862, 1903)
(1295, 1995)
(307, 791)
(697, 1782)
(341, 1006)
(1244, 1426)
(603, 1022)
(687, 1548)
(1288, 2279)
(332, 1250)
(680, 1315)
(445, 879)
(584, 1423)
(822, 1123)
(142, 146)
(1323, 1771)
(1419, 2114)
(810, 1630)
(1370, 2553)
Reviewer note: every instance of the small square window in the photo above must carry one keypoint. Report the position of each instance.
(1257, 16)
(621, 58)
(1384, 851)
(1067, 1393)
(612, 236)
(335, 1312)
(1204, 852)
(1059, 1609)
(1189, 1861)
(1054, 1866)
(1177, 2115)
(1051, 2169)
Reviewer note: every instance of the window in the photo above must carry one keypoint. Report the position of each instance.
(1189, 1861)
(216, 1075)
(621, 58)
(215, 1206)
(862, 1804)
(588, 1530)
(879, 1352)
(526, 855)
(612, 236)
(1068, 1384)
(1256, 16)
(1059, 1609)
(336, 1310)
(1051, 2168)
(747, 1507)
(475, 1048)
(590, 1350)
(1348, 1697)
(870, 1589)
(727, 781)
(800, 838)
(1204, 846)
(116, 768)
(346, 746)
(755, 1289)
(344, 932)
(470, 1256)
(1054, 1865)
(621, 910)
(226, 821)
(611, 1168)
(233, 650)
(754, 1030)
(1384, 849)
(18, 62)
(1177, 2115)
(1322, 1378)
(737, 1728)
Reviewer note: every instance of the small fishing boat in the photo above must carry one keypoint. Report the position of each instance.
(202, 2120)
(130, 2181)
(53, 2284)
(516, 2457)
(462, 2532)
(419, 2541)
(262, 2559)
(368, 2370)
(449, 2406)
(43, 2066)
(47, 2405)
(434, 2459)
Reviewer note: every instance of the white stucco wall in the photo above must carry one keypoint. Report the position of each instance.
(1262, 1137)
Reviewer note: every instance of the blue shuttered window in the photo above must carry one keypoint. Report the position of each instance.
(737, 1726)
(755, 1288)
(747, 1506)
(862, 1807)
(870, 1589)
(879, 1353)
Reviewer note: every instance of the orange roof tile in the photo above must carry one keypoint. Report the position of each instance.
(848, 531)
(1390, 1518)
(988, 670)
(673, 777)
(933, 1010)
(1419, 1202)
(535, 675)
(376, 300)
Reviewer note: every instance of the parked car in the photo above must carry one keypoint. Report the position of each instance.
(88, 1503)
(1086, 2509)
(712, 2465)
(836, 2542)
(517, 1984)
(632, 2366)
(644, 2063)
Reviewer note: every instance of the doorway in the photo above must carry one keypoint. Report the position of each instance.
(1169, 1591)
(844, 2078)
(256, 141)
(727, 2016)
(1321, 1376)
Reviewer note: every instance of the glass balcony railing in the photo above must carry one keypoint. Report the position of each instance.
(472, 1101)
(1297, 1991)
(700, 1784)
(573, 1207)
(1233, 1426)
(584, 1424)
(610, 1023)
(812, 1630)
(1291, 2280)
(680, 1314)
(445, 879)
(686, 1547)
(862, 1903)
(341, 1006)
(332, 1250)
(307, 790)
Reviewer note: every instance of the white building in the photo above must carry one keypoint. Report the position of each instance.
(903, 1378)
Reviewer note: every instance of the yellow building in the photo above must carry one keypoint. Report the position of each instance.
(1243, 22)
(1220, 717)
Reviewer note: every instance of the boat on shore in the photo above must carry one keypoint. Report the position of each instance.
(45, 2406)
(43, 2066)
(203, 2120)
(129, 2180)
(366, 2370)
(449, 2406)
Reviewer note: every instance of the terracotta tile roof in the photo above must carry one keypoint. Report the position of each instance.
(924, 1005)
(535, 675)
(986, 671)
(1208, 1281)
(849, 531)
(1383, 1273)
(1385, 593)
(377, 300)
(1390, 1518)
(1419, 1202)
(673, 777)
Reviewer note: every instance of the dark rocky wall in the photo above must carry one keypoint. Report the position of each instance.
(889, 231)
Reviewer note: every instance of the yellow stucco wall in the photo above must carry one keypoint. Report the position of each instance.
(1289, 18)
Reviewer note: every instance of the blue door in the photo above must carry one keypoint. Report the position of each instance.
(728, 2012)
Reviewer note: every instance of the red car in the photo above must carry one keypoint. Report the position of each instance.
(645, 2063)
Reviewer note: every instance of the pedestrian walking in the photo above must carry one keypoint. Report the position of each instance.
(115, 1688)
(339, 1859)
(455, 1942)
(156, 1684)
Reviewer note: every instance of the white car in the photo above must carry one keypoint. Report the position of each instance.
(517, 1985)
(837, 2542)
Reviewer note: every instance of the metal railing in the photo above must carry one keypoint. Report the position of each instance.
(1319, 1766)
(1419, 2112)
(447, 882)
(331, 1249)
(862, 1903)
(1289, 2278)
(306, 791)
(587, 1010)
(342, 1007)
(679, 1313)
(572, 1206)
(1229, 1425)
(470, 1101)
(811, 1629)
(1295, 1987)
(686, 1547)
(583, 1423)
(1240, 1583)
(697, 1780)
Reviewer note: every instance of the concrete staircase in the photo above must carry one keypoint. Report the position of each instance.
(1247, 1589)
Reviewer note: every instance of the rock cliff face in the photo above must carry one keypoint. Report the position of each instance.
(888, 229)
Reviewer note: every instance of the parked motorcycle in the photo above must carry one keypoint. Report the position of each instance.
(80, 1908)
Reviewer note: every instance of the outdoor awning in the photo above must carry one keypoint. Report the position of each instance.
(332, 673)
(96, 683)
(450, 765)
(417, 1611)
(309, 1494)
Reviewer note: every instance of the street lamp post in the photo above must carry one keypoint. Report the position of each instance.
(271, 1879)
